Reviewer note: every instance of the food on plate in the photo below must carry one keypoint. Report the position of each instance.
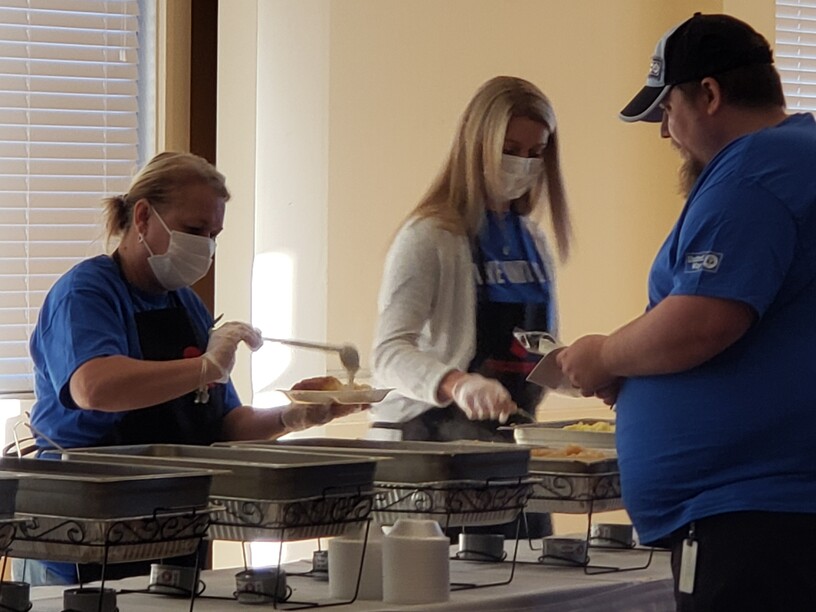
(326, 383)
(601, 426)
(572, 451)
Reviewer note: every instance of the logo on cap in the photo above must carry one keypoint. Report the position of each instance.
(656, 68)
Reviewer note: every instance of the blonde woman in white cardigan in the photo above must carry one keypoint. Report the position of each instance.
(469, 267)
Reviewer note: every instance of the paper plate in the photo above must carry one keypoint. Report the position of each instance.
(343, 396)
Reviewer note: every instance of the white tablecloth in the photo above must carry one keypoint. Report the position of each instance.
(535, 587)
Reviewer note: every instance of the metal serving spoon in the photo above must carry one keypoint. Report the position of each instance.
(349, 356)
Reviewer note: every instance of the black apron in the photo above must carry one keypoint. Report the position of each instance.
(164, 335)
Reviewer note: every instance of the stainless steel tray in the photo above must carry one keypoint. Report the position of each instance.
(421, 462)
(575, 486)
(452, 504)
(552, 433)
(8, 494)
(90, 540)
(573, 466)
(302, 519)
(104, 490)
(248, 473)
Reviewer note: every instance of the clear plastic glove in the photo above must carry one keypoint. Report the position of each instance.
(223, 344)
(297, 417)
(483, 398)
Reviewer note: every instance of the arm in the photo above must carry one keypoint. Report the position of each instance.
(117, 383)
(445, 389)
(680, 333)
(248, 423)
(425, 270)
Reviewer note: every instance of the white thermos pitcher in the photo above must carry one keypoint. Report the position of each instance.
(416, 564)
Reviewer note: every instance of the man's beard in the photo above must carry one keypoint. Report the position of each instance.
(690, 171)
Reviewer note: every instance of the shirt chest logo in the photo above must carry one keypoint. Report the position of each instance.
(708, 261)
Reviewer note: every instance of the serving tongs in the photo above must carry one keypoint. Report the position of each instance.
(349, 357)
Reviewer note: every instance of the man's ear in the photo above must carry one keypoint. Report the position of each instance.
(712, 95)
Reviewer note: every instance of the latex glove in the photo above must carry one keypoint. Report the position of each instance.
(483, 398)
(297, 417)
(223, 344)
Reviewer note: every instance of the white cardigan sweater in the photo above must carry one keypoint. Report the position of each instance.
(427, 315)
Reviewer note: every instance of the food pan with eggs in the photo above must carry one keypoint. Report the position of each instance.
(593, 433)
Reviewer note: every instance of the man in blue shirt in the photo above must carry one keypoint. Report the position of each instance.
(716, 432)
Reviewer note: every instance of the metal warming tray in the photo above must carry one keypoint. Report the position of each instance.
(552, 433)
(277, 494)
(103, 490)
(453, 503)
(456, 484)
(420, 462)
(575, 486)
(110, 540)
(8, 494)
(248, 473)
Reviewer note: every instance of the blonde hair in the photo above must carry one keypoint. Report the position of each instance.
(470, 178)
(158, 182)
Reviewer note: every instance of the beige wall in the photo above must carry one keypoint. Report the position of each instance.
(335, 115)
(399, 86)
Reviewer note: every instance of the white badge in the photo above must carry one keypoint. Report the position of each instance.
(688, 566)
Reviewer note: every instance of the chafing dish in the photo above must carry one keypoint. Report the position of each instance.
(574, 486)
(8, 495)
(454, 483)
(552, 433)
(100, 512)
(247, 473)
(273, 495)
(103, 490)
(420, 462)
(110, 540)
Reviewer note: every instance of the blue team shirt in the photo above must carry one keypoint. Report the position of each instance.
(511, 271)
(87, 314)
(739, 431)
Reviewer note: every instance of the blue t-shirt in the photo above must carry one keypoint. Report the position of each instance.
(511, 270)
(739, 431)
(88, 313)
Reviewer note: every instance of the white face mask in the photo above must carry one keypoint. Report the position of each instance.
(187, 259)
(518, 175)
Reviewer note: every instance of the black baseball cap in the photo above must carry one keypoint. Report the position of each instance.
(702, 46)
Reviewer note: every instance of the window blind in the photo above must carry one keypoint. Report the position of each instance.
(68, 137)
(795, 52)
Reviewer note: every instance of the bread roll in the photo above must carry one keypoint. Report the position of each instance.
(318, 383)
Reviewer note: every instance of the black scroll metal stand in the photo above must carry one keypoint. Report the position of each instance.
(493, 495)
(589, 568)
(7, 530)
(164, 526)
(297, 517)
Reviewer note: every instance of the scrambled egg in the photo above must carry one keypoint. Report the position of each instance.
(601, 426)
